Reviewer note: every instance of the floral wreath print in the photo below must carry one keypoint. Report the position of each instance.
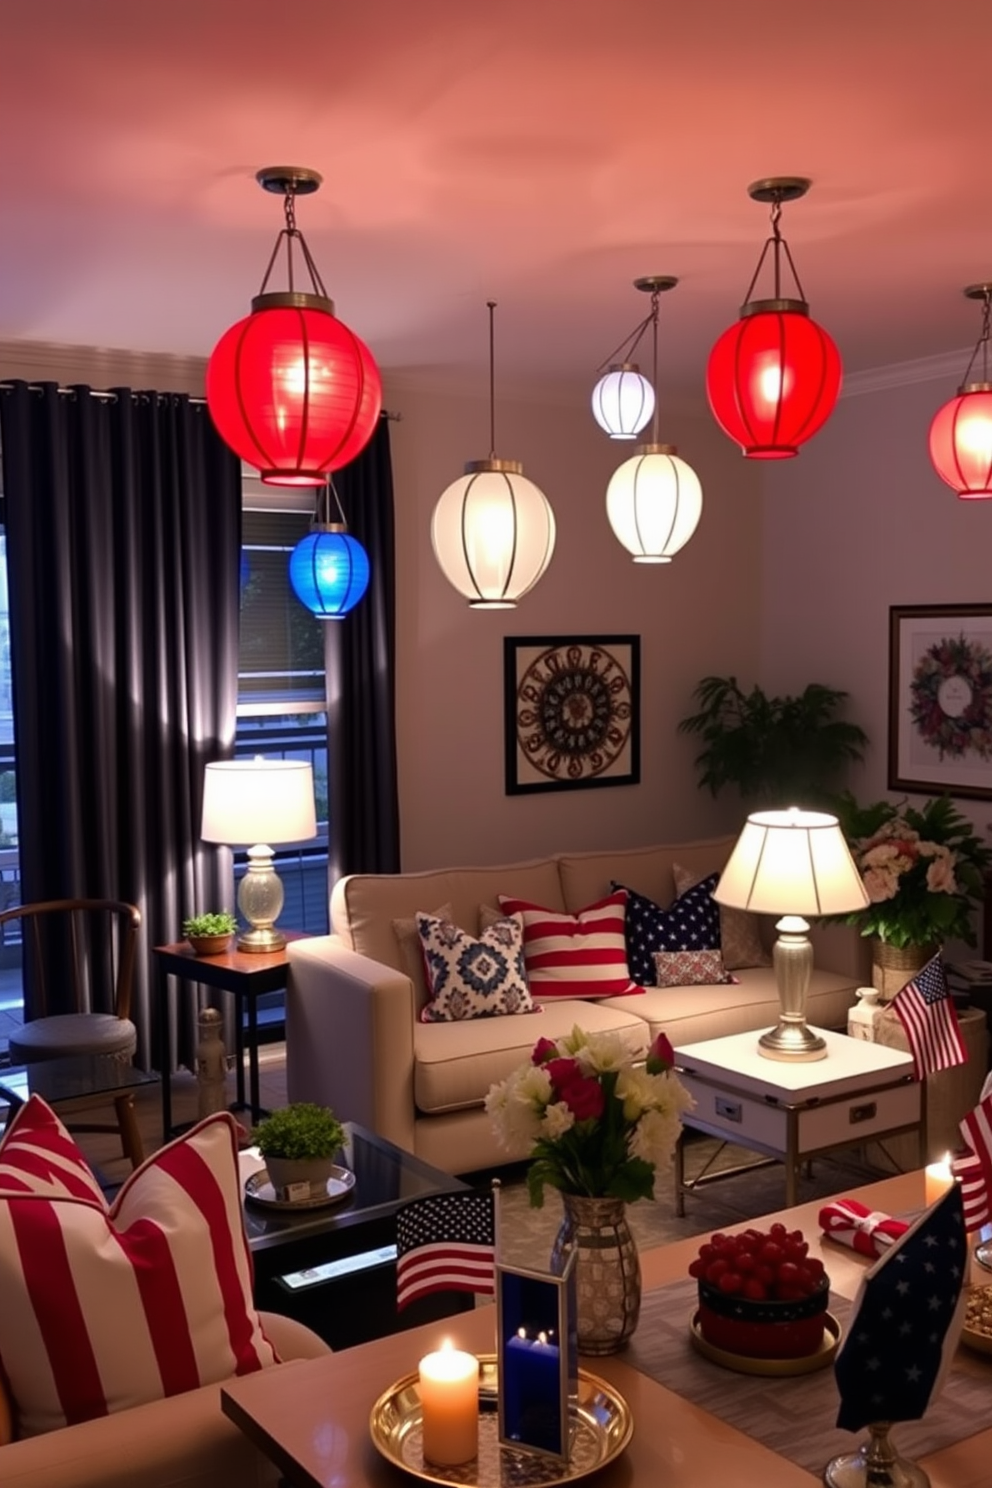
(946, 663)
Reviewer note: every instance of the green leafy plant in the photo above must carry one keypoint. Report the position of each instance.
(220, 923)
(778, 751)
(300, 1129)
(923, 870)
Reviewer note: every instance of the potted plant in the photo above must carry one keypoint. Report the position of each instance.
(778, 751)
(299, 1143)
(210, 934)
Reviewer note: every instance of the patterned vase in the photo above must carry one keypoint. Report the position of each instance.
(893, 966)
(607, 1271)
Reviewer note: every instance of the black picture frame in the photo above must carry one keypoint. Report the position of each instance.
(571, 712)
(940, 699)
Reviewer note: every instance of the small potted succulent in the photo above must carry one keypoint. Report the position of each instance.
(299, 1143)
(210, 934)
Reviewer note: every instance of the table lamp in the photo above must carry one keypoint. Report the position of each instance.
(256, 803)
(791, 863)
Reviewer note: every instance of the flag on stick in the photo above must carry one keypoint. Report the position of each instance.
(925, 1009)
(906, 1321)
(445, 1242)
(974, 1168)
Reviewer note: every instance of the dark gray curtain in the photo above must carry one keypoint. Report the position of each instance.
(123, 522)
(359, 654)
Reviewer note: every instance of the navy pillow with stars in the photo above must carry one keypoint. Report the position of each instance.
(691, 923)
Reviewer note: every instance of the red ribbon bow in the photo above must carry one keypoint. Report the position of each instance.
(865, 1230)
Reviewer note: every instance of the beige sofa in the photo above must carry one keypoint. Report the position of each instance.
(182, 1442)
(354, 1040)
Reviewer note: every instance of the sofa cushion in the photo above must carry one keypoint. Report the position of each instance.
(689, 969)
(412, 951)
(587, 876)
(104, 1309)
(364, 905)
(691, 923)
(580, 955)
(740, 931)
(474, 978)
(455, 1063)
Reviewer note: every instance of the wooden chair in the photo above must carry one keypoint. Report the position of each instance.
(89, 945)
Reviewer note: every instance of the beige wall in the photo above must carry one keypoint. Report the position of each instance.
(699, 614)
(859, 522)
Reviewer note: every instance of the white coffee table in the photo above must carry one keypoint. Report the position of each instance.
(793, 1111)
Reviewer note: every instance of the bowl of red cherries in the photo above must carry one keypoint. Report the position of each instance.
(761, 1294)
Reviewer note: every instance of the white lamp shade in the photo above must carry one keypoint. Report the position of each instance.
(654, 502)
(623, 401)
(493, 533)
(247, 802)
(791, 862)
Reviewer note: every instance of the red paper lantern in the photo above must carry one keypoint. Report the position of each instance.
(294, 392)
(290, 388)
(773, 379)
(961, 432)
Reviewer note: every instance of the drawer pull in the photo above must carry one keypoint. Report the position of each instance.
(729, 1110)
(866, 1112)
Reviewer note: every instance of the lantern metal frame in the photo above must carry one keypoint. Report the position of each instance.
(626, 366)
(324, 523)
(950, 412)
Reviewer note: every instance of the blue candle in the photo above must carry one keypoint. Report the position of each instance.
(531, 1387)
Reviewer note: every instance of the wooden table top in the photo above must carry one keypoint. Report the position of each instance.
(311, 1418)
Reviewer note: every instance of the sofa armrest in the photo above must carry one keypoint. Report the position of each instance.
(349, 1037)
(183, 1442)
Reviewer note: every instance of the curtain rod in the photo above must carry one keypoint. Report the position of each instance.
(110, 397)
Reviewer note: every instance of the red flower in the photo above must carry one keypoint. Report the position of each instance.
(562, 1072)
(544, 1050)
(584, 1097)
(661, 1056)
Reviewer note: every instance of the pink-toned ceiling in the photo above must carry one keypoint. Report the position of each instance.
(541, 153)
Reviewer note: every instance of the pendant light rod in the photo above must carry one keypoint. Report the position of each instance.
(776, 190)
(491, 304)
(655, 285)
(980, 292)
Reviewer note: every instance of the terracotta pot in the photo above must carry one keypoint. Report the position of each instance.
(211, 945)
(893, 966)
(607, 1271)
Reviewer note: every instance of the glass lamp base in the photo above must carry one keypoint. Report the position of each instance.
(262, 938)
(792, 1041)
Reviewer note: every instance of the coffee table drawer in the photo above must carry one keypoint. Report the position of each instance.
(739, 1118)
(859, 1117)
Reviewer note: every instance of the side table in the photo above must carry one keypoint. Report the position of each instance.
(246, 974)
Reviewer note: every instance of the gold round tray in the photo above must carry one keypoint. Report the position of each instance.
(259, 1190)
(779, 1367)
(601, 1420)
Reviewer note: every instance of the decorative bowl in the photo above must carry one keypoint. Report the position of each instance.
(211, 945)
(766, 1329)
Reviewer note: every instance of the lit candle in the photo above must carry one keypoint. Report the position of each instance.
(938, 1179)
(531, 1384)
(449, 1406)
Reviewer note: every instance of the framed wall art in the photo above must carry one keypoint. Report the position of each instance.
(940, 699)
(571, 712)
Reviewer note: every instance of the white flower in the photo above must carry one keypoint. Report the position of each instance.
(638, 1091)
(602, 1053)
(654, 1138)
(516, 1107)
(558, 1119)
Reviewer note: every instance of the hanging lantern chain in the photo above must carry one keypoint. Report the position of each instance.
(323, 518)
(492, 382)
(778, 246)
(654, 373)
(291, 233)
(982, 344)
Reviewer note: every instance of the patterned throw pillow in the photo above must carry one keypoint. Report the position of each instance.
(412, 952)
(581, 955)
(690, 969)
(469, 978)
(691, 923)
(740, 940)
(104, 1308)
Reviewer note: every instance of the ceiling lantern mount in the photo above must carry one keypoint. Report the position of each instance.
(961, 432)
(654, 501)
(773, 378)
(290, 388)
(493, 530)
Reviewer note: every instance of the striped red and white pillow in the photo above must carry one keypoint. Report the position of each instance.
(580, 955)
(108, 1308)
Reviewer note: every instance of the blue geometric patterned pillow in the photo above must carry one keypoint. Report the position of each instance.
(691, 923)
(469, 978)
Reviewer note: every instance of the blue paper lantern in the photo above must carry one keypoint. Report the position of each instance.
(329, 572)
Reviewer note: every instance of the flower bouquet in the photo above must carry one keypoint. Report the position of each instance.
(592, 1121)
(923, 870)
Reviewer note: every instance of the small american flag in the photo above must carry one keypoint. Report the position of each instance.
(974, 1168)
(445, 1242)
(925, 1009)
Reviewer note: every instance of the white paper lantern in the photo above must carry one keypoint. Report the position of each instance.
(493, 534)
(623, 401)
(654, 502)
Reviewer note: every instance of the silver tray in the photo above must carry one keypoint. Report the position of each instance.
(259, 1190)
(601, 1418)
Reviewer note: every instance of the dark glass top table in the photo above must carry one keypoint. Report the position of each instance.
(78, 1082)
(334, 1268)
